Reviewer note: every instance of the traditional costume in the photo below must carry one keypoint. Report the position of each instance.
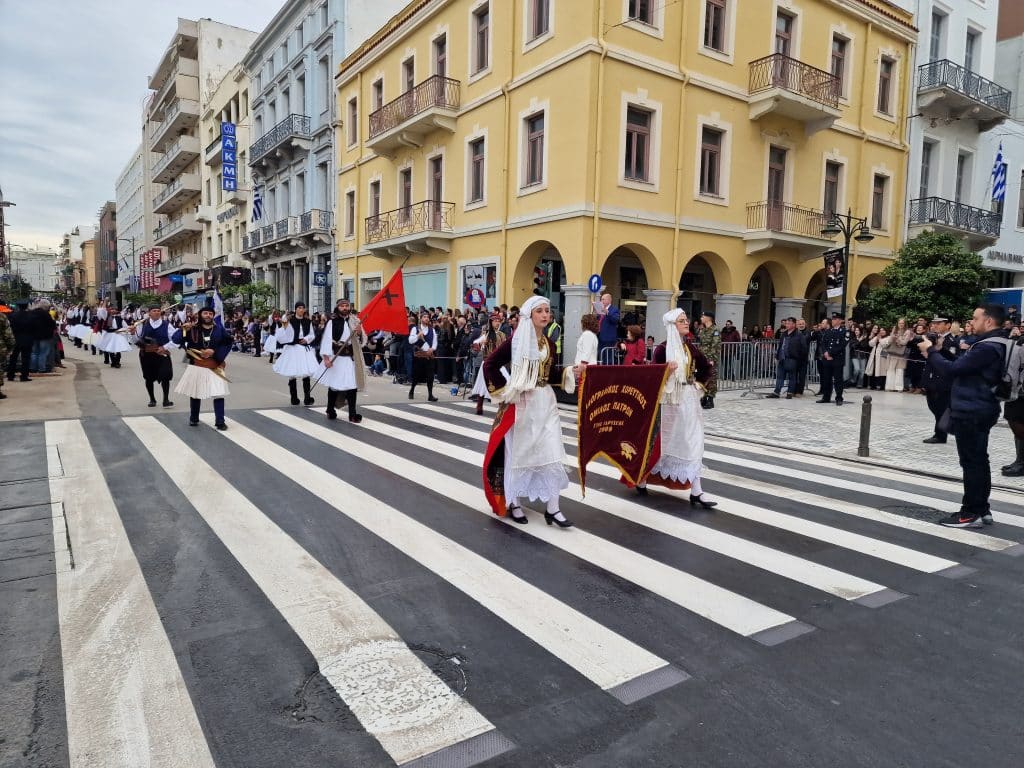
(112, 341)
(343, 370)
(677, 453)
(153, 338)
(525, 455)
(491, 339)
(203, 377)
(298, 360)
(270, 343)
(423, 341)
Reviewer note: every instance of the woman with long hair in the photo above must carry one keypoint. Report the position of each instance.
(489, 340)
(525, 455)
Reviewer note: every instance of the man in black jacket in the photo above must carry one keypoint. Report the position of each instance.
(24, 327)
(974, 410)
(792, 349)
(935, 385)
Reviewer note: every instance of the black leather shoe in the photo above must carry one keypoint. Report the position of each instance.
(355, 418)
(641, 491)
(308, 401)
(823, 400)
(699, 500)
(519, 519)
(222, 426)
(934, 440)
(332, 414)
(193, 422)
(839, 401)
(772, 396)
(551, 519)
(152, 403)
(432, 399)
(168, 404)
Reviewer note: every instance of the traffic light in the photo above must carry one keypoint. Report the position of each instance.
(540, 279)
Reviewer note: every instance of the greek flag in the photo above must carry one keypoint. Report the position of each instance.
(999, 177)
(218, 306)
(257, 204)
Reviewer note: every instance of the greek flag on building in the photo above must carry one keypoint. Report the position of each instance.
(257, 204)
(999, 176)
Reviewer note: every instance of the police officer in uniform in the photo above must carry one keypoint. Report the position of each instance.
(935, 386)
(834, 343)
(709, 341)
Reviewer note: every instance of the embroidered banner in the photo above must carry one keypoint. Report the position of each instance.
(617, 406)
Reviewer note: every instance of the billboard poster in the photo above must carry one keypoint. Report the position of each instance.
(835, 272)
(483, 278)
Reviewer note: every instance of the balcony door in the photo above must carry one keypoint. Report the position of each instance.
(441, 56)
(776, 188)
(783, 46)
(436, 191)
(405, 192)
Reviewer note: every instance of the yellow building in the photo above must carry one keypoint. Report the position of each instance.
(667, 147)
(87, 273)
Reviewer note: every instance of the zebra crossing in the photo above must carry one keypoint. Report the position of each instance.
(361, 561)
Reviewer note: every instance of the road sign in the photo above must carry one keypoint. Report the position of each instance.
(594, 283)
(475, 298)
(319, 278)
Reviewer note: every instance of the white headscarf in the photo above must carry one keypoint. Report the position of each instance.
(526, 353)
(675, 351)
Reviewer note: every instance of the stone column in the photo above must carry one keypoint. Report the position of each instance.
(788, 308)
(729, 306)
(298, 283)
(658, 303)
(577, 304)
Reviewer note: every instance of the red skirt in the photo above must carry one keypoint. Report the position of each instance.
(494, 459)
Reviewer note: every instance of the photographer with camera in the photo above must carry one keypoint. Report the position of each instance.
(974, 410)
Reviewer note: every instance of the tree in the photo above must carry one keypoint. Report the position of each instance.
(145, 298)
(933, 274)
(258, 296)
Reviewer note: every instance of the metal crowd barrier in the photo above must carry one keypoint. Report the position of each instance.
(752, 365)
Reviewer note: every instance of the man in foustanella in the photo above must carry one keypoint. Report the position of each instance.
(207, 345)
(154, 340)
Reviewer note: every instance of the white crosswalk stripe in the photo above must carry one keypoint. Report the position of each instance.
(413, 716)
(125, 698)
(607, 659)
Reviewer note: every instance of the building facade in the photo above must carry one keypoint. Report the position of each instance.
(106, 251)
(199, 56)
(956, 104)
(1006, 256)
(69, 261)
(36, 266)
(291, 157)
(132, 226)
(86, 272)
(682, 156)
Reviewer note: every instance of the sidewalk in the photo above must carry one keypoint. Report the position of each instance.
(899, 422)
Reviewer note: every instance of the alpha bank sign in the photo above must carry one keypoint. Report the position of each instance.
(1004, 260)
(228, 157)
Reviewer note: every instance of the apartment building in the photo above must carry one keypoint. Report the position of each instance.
(199, 56)
(666, 147)
(70, 258)
(106, 250)
(86, 272)
(36, 266)
(132, 224)
(291, 158)
(1006, 256)
(956, 104)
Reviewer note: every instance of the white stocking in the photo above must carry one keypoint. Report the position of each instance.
(695, 489)
(553, 509)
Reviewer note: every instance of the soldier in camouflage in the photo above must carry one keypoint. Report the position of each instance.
(6, 345)
(709, 341)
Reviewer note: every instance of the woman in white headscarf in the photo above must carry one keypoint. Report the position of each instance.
(677, 455)
(525, 456)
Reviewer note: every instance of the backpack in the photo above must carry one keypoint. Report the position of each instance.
(1011, 383)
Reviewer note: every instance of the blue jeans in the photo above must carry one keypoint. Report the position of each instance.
(40, 362)
(972, 448)
(786, 373)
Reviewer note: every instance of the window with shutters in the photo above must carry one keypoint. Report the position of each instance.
(710, 161)
(638, 144)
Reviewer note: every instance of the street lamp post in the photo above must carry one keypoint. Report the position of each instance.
(849, 227)
(132, 281)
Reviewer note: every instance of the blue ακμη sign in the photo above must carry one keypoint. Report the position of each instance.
(227, 129)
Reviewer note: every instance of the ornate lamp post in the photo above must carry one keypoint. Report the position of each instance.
(851, 228)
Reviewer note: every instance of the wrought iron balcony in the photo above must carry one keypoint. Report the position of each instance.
(176, 159)
(413, 228)
(785, 86)
(405, 121)
(771, 223)
(293, 131)
(948, 89)
(980, 227)
(315, 220)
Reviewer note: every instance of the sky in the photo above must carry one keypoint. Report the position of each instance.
(73, 77)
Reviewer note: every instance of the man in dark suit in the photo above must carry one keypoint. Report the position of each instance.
(608, 333)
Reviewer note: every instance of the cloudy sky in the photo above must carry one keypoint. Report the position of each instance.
(72, 81)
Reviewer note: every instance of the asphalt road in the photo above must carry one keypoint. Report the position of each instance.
(304, 593)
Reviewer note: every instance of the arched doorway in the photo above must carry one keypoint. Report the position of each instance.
(541, 271)
(817, 298)
(625, 277)
(697, 286)
(874, 280)
(761, 290)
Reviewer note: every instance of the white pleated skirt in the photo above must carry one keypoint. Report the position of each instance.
(201, 383)
(270, 345)
(296, 362)
(480, 386)
(340, 376)
(682, 438)
(114, 343)
(534, 452)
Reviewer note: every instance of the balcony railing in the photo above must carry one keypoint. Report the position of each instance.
(781, 217)
(423, 217)
(169, 190)
(947, 74)
(183, 144)
(281, 228)
(267, 232)
(436, 91)
(315, 220)
(293, 125)
(950, 213)
(780, 71)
